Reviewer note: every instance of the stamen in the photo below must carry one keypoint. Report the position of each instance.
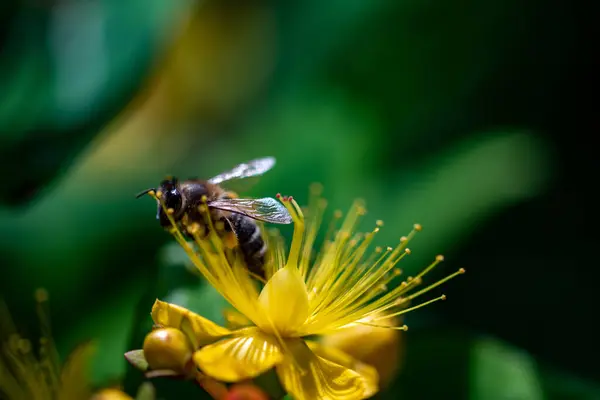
(298, 235)
(396, 328)
(314, 217)
(276, 248)
(349, 299)
(51, 359)
(258, 277)
(337, 215)
(438, 283)
(406, 310)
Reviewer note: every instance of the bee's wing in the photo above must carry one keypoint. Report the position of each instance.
(245, 170)
(266, 209)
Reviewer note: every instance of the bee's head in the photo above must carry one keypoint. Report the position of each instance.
(171, 194)
(171, 197)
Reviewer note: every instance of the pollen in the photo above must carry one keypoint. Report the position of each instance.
(193, 228)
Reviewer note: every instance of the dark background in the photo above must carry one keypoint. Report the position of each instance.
(470, 117)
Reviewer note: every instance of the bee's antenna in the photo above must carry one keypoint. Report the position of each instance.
(140, 194)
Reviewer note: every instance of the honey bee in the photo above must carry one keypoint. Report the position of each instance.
(238, 215)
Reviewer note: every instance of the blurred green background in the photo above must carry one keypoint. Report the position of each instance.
(466, 116)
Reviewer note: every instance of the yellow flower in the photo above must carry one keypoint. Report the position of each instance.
(25, 375)
(305, 294)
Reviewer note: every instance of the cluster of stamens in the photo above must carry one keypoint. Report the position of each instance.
(362, 295)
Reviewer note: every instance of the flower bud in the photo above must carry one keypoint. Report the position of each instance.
(167, 348)
(378, 347)
(111, 394)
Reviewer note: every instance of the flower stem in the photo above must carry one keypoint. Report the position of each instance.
(216, 390)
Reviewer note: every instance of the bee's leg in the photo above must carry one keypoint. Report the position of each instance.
(227, 233)
(193, 218)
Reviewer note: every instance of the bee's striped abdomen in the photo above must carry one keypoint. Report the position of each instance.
(250, 242)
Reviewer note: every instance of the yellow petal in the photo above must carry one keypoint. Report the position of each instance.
(198, 329)
(367, 372)
(238, 358)
(235, 320)
(285, 301)
(318, 378)
(376, 346)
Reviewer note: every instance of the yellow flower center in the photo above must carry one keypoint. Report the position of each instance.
(285, 302)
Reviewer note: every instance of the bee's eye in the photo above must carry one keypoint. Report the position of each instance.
(173, 199)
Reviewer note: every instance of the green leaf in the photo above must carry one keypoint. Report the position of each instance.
(137, 359)
(502, 372)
